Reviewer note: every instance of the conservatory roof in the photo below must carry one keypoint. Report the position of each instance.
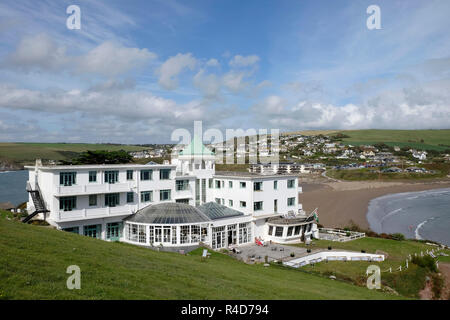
(217, 211)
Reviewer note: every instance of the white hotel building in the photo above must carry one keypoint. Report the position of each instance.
(173, 205)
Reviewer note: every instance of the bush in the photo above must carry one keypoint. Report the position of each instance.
(426, 262)
(398, 236)
(438, 286)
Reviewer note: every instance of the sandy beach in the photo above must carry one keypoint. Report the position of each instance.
(342, 202)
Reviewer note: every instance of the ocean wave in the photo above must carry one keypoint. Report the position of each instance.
(419, 226)
(390, 214)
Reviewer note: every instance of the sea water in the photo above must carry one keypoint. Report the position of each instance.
(418, 215)
(13, 186)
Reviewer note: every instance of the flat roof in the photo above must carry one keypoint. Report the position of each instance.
(101, 166)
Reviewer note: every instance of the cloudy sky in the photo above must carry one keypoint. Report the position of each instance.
(137, 70)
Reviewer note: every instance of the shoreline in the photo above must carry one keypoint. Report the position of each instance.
(340, 203)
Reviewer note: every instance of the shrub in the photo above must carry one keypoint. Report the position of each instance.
(426, 262)
(398, 236)
(438, 286)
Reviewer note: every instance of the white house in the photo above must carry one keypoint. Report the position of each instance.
(172, 205)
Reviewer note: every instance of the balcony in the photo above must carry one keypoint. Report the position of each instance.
(92, 189)
(82, 214)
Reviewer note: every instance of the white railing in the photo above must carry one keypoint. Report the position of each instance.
(93, 188)
(95, 212)
(343, 235)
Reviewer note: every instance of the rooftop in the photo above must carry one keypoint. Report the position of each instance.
(217, 211)
(242, 174)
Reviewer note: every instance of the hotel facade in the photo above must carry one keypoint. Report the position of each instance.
(172, 205)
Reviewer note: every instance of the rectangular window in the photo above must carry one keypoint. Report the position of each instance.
(72, 230)
(290, 201)
(93, 231)
(164, 174)
(257, 186)
(146, 175)
(92, 200)
(182, 201)
(129, 174)
(289, 232)
(278, 231)
(166, 235)
(151, 234)
(130, 197)
(184, 234)
(243, 204)
(174, 235)
(217, 184)
(297, 230)
(230, 203)
(210, 183)
(114, 231)
(230, 184)
(197, 192)
(182, 185)
(203, 190)
(217, 200)
(291, 184)
(275, 205)
(92, 176)
(270, 230)
(112, 199)
(158, 234)
(111, 176)
(243, 184)
(146, 196)
(164, 195)
(67, 178)
(275, 185)
(142, 234)
(67, 203)
(257, 205)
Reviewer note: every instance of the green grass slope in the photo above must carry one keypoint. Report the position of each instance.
(28, 152)
(34, 259)
(421, 139)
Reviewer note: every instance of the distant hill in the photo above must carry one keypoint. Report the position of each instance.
(34, 259)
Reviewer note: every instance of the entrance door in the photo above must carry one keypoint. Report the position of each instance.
(113, 231)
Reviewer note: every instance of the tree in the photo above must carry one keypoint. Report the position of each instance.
(103, 157)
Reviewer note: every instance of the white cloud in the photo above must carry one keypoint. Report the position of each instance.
(41, 53)
(208, 84)
(234, 81)
(241, 61)
(212, 63)
(172, 67)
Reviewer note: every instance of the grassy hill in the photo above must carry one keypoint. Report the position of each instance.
(34, 259)
(28, 152)
(421, 139)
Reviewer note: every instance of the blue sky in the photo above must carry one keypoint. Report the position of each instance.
(137, 70)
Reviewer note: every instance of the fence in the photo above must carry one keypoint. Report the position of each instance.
(342, 235)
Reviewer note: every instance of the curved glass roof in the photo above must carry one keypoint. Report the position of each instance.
(217, 211)
(169, 213)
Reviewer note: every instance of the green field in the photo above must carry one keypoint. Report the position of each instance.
(28, 152)
(432, 139)
(34, 259)
(407, 283)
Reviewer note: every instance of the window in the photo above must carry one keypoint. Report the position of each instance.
(270, 230)
(203, 190)
(275, 185)
(93, 231)
(197, 166)
(210, 183)
(230, 203)
(291, 184)
(164, 195)
(92, 176)
(129, 174)
(67, 203)
(130, 197)
(111, 199)
(243, 204)
(230, 184)
(186, 201)
(243, 184)
(217, 200)
(182, 185)
(291, 201)
(184, 234)
(257, 186)
(166, 234)
(113, 231)
(297, 230)
(164, 174)
(258, 205)
(244, 232)
(151, 233)
(146, 174)
(174, 235)
(146, 196)
(275, 205)
(142, 234)
(195, 233)
(72, 230)
(67, 178)
(217, 184)
(111, 176)
(289, 232)
(278, 231)
(197, 192)
(92, 200)
(203, 164)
